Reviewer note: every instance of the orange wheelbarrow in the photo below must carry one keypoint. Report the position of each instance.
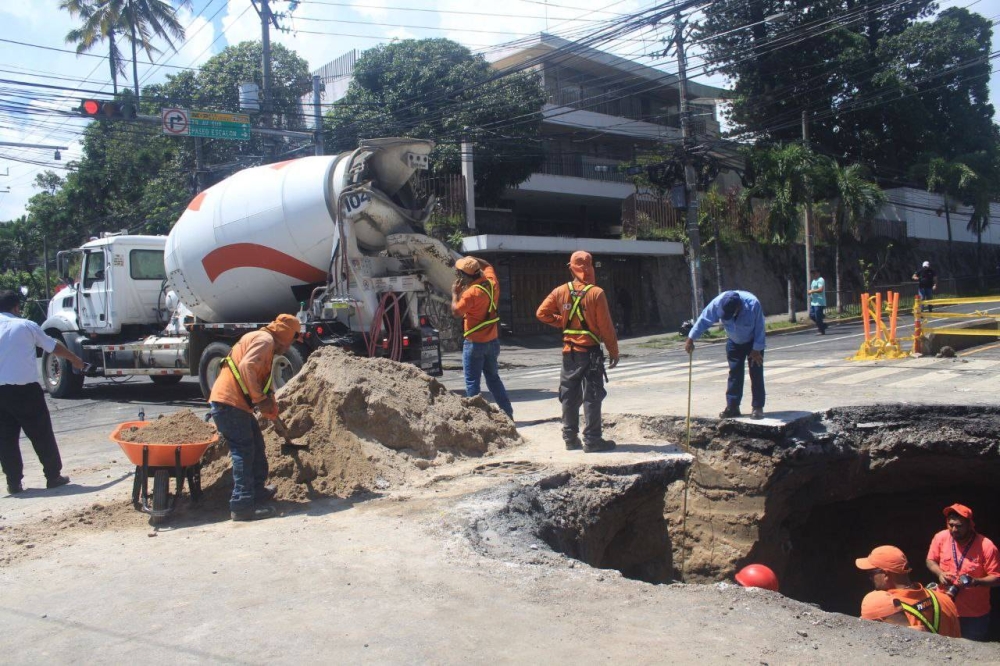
(161, 461)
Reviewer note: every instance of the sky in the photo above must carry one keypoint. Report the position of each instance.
(318, 30)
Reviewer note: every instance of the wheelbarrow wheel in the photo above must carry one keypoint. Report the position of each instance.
(161, 493)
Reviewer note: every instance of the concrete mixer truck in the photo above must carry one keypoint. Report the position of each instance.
(337, 240)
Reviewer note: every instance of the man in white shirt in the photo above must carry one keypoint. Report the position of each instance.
(22, 402)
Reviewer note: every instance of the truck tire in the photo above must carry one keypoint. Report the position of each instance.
(166, 380)
(208, 366)
(58, 377)
(287, 365)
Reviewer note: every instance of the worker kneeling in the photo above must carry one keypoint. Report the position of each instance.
(926, 610)
(580, 310)
(244, 385)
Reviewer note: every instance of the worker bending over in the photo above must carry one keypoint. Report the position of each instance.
(475, 297)
(926, 610)
(579, 309)
(958, 551)
(244, 385)
(743, 318)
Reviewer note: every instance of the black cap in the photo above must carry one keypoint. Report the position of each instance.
(731, 303)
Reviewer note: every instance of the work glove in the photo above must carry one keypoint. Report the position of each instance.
(268, 408)
(613, 362)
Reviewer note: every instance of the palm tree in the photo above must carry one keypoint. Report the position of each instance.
(145, 20)
(857, 202)
(949, 179)
(101, 21)
(784, 175)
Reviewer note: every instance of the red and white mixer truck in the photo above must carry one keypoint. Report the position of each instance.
(337, 240)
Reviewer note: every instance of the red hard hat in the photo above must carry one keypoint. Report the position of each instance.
(757, 575)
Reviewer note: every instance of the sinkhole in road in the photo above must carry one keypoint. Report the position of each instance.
(806, 498)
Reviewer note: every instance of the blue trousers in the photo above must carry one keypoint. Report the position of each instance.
(480, 359)
(975, 628)
(816, 314)
(737, 357)
(246, 449)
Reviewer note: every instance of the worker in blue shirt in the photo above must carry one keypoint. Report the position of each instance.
(743, 319)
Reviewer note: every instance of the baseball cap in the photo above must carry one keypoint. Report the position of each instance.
(878, 605)
(961, 510)
(730, 304)
(467, 265)
(927, 264)
(886, 558)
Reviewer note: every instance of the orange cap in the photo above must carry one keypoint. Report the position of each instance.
(284, 328)
(886, 558)
(878, 605)
(962, 510)
(467, 265)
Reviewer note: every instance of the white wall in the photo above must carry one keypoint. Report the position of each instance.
(923, 213)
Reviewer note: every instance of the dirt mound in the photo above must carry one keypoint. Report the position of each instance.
(177, 428)
(369, 424)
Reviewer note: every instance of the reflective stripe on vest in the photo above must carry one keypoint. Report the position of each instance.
(228, 362)
(577, 311)
(492, 310)
(915, 612)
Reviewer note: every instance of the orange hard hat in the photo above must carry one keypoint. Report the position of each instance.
(757, 575)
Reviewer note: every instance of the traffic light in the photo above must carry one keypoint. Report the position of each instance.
(98, 108)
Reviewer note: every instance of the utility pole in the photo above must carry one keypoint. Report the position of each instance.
(468, 174)
(266, 18)
(199, 165)
(809, 212)
(690, 177)
(317, 116)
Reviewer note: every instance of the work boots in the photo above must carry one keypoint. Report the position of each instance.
(56, 481)
(256, 513)
(574, 444)
(600, 445)
(730, 413)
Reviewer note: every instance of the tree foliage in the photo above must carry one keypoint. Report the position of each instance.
(437, 89)
(785, 175)
(883, 83)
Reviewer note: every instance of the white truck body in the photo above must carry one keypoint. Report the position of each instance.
(334, 239)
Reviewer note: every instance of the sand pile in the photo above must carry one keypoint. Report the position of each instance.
(177, 428)
(369, 424)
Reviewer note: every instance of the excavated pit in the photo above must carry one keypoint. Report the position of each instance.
(806, 499)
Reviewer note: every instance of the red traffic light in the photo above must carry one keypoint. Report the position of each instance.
(96, 108)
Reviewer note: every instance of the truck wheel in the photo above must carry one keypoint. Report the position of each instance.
(166, 380)
(208, 366)
(287, 365)
(58, 376)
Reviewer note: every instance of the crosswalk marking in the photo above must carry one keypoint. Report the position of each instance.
(927, 379)
(879, 373)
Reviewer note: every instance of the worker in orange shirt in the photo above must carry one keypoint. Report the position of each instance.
(579, 309)
(244, 386)
(927, 610)
(475, 297)
(959, 556)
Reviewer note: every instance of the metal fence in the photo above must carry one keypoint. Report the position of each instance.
(965, 286)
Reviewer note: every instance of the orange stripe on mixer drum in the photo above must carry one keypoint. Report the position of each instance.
(196, 202)
(251, 255)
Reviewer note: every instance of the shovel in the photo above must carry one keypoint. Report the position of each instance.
(282, 430)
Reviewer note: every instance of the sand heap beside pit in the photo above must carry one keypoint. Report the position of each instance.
(369, 424)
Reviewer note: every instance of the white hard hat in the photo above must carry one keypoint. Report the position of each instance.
(927, 264)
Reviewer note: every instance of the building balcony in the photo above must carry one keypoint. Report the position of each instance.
(585, 166)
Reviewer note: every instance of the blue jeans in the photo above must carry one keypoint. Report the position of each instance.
(975, 628)
(737, 357)
(816, 314)
(479, 359)
(246, 448)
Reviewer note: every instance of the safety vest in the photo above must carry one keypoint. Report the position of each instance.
(492, 311)
(577, 311)
(915, 611)
(228, 362)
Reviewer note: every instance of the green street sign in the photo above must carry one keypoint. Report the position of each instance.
(206, 124)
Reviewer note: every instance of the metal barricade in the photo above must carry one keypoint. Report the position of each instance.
(880, 336)
(920, 315)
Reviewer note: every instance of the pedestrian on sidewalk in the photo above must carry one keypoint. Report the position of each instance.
(474, 297)
(959, 556)
(926, 610)
(22, 401)
(579, 309)
(743, 318)
(244, 386)
(926, 279)
(817, 300)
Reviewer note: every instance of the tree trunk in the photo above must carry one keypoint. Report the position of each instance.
(947, 219)
(111, 61)
(836, 269)
(135, 57)
(718, 259)
(979, 256)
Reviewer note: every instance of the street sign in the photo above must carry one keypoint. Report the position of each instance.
(206, 124)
